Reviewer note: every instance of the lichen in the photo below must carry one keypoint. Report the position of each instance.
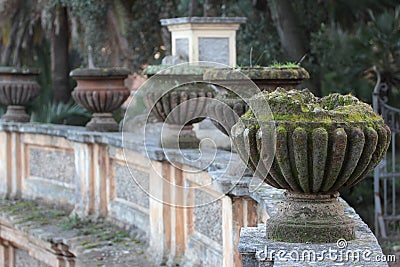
(303, 106)
(257, 73)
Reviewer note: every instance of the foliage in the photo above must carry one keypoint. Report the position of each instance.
(384, 39)
(345, 56)
(345, 37)
(257, 39)
(2, 109)
(61, 113)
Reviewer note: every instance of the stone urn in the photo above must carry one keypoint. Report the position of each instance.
(101, 91)
(239, 84)
(319, 146)
(177, 96)
(18, 86)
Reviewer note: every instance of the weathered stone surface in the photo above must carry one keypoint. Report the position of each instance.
(101, 91)
(180, 100)
(52, 238)
(225, 111)
(100, 72)
(311, 145)
(309, 218)
(214, 50)
(52, 164)
(181, 105)
(253, 244)
(186, 72)
(208, 220)
(23, 259)
(242, 83)
(127, 187)
(222, 179)
(182, 48)
(256, 73)
(205, 253)
(202, 20)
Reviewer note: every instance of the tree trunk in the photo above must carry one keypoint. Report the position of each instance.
(289, 30)
(59, 55)
(9, 48)
(291, 35)
(193, 4)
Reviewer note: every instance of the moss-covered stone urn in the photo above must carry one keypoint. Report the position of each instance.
(177, 96)
(319, 146)
(101, 91)
(18, 86)
(239, 84)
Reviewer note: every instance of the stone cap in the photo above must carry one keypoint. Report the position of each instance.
(183, 69)
(257, 73)
(203, 20)
(19, 70)
(99, 72)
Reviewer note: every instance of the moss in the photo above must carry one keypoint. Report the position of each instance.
(257, 73)
(83, 243)
(303, 106)
(287, 64)
(92, 246)
(99, 72)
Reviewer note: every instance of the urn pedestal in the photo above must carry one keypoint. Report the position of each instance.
(101, 91)
(179, 97)
(238, 85)
(18, 86)
(313, 148)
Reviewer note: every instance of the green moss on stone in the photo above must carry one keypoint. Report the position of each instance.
(287, 64)
(303, 106)
(257, 73)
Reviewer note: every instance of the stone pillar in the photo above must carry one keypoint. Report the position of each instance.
(7, 255)
(4, 163)
(92, 165)
(244, 214)
(204, 38)
(11, 164)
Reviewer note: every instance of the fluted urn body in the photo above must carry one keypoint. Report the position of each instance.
(315, 147)
(237, 85)
(179, 97)
(18, 86)
(101, 91)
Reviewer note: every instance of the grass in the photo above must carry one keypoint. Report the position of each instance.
(287, 64)
(31, 213)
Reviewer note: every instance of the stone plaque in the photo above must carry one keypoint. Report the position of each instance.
(52, 164)
(23, 259)
(182, 48)
(208, 218)
(127, 188)
(214, 49)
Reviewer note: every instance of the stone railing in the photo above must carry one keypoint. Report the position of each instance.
(86, 172)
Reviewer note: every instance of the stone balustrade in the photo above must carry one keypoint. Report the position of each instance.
(86, 172)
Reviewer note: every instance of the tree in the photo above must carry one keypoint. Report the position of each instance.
(289, 30)
(59, 40)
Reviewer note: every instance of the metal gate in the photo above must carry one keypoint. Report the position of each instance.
(387, 173)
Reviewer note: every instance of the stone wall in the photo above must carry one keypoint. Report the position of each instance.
(87, 172)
